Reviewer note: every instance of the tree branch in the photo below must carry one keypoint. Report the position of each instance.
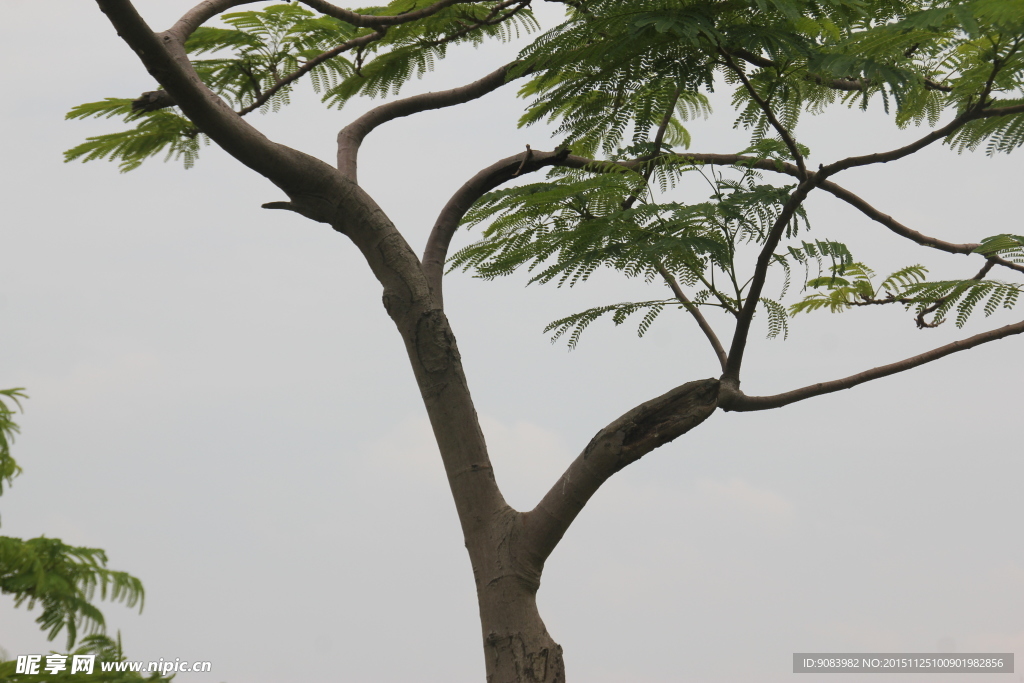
(776, 124)
(436, 251)
(846, 84)
(853, 200)
(731, 376)
(624, 441)
(208, 9)
(659, 137)
(361, 41)
(735, 400)
(373, 21)
(165, 59)
(352, 135)
(709, 332)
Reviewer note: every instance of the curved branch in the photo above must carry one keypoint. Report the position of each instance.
(373, 21)
(659, 138)
(199, 15)
(436, 251)
(352, 135)
(624, 441)
(734, 400)
(978, 112)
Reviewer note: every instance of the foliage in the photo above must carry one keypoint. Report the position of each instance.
(62, 579)
(104, 648)
(619, 82)
(255, 61)
(8, 428)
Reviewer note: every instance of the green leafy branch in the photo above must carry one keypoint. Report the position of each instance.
(8, 428)
(63, 580)
(909, 287)
(105, 649)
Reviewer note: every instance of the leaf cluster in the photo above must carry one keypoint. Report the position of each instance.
(104, 648)
(62, 579)
(255, 60)
(852, 285)
(566, 229)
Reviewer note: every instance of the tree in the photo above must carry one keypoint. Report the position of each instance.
(63, 580)
(620, 83)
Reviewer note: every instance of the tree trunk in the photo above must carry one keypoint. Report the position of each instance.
(517, 645)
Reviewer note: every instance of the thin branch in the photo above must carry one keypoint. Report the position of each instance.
(978, 111)
(493, 18)
(846, 84)
(624, 441)
(731, 376)
(934, 306)
(709, 332)
(733, 399)
(659, 138)
(372, 21)
(776, 124)
(352, 135)
(436, 251)
(208, 9)
(574, 161)
(263, 98)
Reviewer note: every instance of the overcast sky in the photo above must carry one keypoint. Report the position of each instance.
(219, 400)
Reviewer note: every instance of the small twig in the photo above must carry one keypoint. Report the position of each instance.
(526, 159)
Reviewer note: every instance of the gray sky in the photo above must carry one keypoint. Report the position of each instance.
(220, 402)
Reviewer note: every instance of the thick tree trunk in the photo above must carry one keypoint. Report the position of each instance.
(517, 646)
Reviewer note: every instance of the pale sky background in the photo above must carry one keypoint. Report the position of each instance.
(219, 400)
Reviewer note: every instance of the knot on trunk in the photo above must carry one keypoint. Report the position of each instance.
(152, 101)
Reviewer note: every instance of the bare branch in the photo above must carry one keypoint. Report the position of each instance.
(436, 251)
(352, 135)
(709, 332)
(733, 399)
(624, 441)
